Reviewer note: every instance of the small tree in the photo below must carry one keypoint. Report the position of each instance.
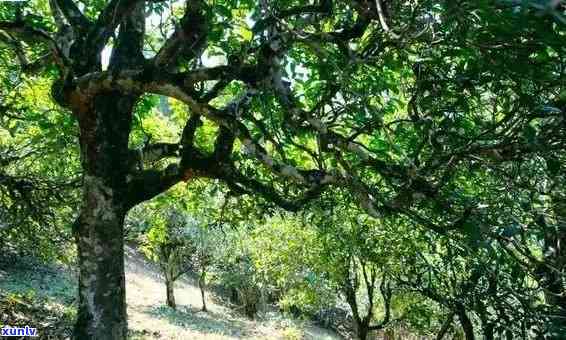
(237, 272)
(384, 99)
(285, 253)
(169, 245)
(356, 256)
(350, 288)
(203, 242)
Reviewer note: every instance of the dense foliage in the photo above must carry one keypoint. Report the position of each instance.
(405, 159)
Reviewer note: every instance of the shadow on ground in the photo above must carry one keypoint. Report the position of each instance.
(44, 296)
(31, 277)
(36, 294)
(197, 320)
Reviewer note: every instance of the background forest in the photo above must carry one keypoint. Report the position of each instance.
(374, 169)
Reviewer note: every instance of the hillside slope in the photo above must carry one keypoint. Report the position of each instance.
(148, 314)
(53, 289)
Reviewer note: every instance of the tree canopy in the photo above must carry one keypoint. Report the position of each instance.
(445, 116)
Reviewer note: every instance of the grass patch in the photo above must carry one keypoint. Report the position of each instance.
(32, 278)
(51, 320)
(203, 322)
(38, 295)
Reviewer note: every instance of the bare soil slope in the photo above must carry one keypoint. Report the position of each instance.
(44, 297)
(150, 318)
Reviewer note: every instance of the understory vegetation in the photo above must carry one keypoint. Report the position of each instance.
(283, 169)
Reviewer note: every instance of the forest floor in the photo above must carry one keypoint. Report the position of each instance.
(44, 297)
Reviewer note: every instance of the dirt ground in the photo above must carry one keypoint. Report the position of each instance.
(150, 318)
(45, 297)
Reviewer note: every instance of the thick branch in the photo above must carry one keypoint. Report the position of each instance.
(71, 12)
(107, 22)
(128, 50)
(242, 184)
(32, 35)
(386, 294)
(189, 36)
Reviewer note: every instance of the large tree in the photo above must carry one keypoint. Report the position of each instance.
(383, 99)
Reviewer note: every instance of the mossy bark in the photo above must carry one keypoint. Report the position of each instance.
(102, 293)
(104, 129)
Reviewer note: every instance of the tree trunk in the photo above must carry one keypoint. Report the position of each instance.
(486, 325)
(362, 332)
(389, 334)
(466, 323)
(201, 285)
(488, 329)
(556, 250)
(234, 296)
(102, 294)
(445, 327)
(104, 129)
(361, 327)
(550, 273)
(170, 292)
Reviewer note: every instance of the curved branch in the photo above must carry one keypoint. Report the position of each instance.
(33, 35)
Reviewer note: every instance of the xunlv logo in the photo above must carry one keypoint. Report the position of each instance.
(19, 331)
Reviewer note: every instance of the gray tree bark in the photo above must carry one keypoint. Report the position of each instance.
(170, 299)
(104, 129)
